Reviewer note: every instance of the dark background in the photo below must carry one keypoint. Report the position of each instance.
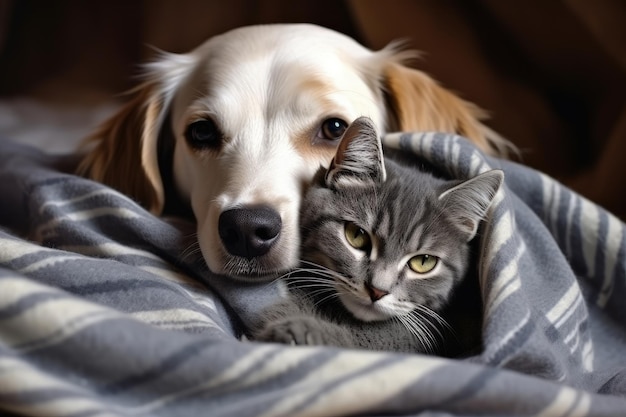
(551, 73)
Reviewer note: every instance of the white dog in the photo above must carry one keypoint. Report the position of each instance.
(236, 128)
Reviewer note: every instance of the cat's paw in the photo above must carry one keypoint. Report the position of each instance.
(296, 331)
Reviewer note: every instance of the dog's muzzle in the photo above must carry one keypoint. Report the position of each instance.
(250, 231)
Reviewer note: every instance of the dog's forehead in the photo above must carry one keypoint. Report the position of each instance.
(282, 40)
(277, 67)
(279, 50)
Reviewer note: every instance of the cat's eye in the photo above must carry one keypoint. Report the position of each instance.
(422, 263)
(357, 237)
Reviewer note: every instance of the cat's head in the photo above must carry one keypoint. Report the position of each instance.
(396, 239)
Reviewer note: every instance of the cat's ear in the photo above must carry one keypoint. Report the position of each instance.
(466, 204)
(359, 158)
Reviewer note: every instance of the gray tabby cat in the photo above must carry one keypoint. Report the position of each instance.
(386, 252)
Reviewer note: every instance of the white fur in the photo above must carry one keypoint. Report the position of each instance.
(256, 84)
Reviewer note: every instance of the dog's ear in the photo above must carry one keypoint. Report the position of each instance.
(417, 103)
(122, 153)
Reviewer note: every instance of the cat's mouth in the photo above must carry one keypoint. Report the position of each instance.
(363, 308)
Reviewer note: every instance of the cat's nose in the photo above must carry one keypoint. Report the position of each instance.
(249, 231)
(375, 293)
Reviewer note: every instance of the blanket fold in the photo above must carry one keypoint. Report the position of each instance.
(108, 310)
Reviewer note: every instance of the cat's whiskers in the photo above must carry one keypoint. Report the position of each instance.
(320, 285)
(320, 279)
(330, 296)
(284, 276)
(423, 310)
(311, 263)
(325, 284)
(318, 269)
(319, 274)
(322, 271)
(432, 333)
(418, 330)
(299, 279)
(415, 319)
(296, 275)
(419, 317)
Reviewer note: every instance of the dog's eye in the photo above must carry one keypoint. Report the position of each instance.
(203, 134)
(333, 128)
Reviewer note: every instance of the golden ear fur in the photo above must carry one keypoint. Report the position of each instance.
(416, 102)
(122, 152)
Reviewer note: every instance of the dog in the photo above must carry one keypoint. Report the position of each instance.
(236, 128)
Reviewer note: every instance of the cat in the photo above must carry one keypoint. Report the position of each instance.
(387, 256)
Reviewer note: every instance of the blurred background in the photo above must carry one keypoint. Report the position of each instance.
(552, 73)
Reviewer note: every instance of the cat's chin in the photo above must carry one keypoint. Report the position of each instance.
(365, 310)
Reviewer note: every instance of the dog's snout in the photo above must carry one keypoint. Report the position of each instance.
(249, 231)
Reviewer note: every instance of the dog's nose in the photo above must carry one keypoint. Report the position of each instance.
(249, 231)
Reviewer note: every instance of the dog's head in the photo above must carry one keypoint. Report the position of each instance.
(251, 115)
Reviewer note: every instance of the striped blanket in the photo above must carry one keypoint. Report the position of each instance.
(106, 310)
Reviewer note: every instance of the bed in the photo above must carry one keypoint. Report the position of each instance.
(107, 310)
